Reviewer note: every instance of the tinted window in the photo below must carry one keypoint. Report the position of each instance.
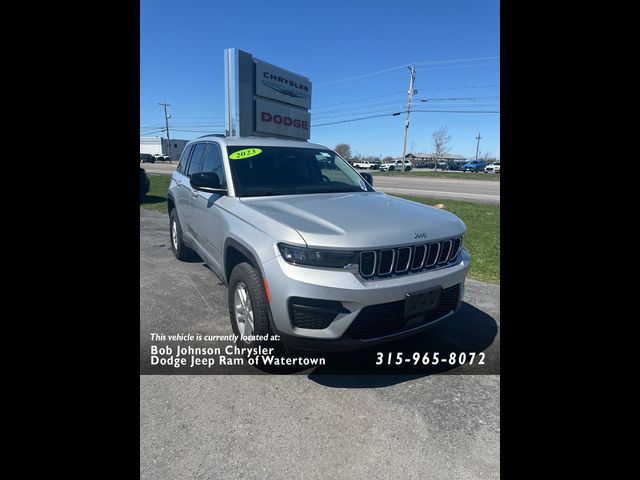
(184, 158)
(195, 165)
(262, 170)
(213, 162)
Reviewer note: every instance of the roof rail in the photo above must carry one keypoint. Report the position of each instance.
(213, 135)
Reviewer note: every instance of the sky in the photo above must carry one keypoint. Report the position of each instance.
(354, 52)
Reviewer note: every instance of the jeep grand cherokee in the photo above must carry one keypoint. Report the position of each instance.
(308, 249)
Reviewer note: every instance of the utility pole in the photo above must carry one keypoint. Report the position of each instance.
(406, 126)
(166, 121)
(478, 145)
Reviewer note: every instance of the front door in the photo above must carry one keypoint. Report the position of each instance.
(208, 221)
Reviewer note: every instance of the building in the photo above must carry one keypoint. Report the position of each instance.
(158, 145)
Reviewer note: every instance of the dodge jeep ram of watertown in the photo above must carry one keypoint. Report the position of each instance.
(308, 249)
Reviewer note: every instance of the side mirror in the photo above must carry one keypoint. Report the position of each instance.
(207, 182)
(368, 177)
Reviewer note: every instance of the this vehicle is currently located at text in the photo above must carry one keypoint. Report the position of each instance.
(308, 249)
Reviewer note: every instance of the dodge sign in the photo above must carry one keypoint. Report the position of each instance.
(279, 119)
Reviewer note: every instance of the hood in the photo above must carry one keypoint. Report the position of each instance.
(357, 220)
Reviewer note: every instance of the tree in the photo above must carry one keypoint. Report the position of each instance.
(488, 157)
(441, 141)
(343, 150)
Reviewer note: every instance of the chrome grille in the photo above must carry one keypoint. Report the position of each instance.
(419, 256)
(413, 258)
(387, 259)
(445, 251)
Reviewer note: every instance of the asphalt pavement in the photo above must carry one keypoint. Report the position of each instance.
(456, 188)
(465, 188)
(312, 425)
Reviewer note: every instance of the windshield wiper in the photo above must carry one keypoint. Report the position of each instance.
(342, 190)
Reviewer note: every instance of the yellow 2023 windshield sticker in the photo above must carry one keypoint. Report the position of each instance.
(246, 153)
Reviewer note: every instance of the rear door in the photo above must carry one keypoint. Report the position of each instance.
(209, 223)
(182, 191)
(195, 166)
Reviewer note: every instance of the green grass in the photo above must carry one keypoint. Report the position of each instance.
(483, 234)
(157, 197)
(483, 226)
(491, 177)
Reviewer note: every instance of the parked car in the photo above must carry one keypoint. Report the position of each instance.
(474, 166)
(442, 165)
(396, 165)
(363, 164)
(492, 168)
(147, 158)
(454, 166)
(375, 165)
(298, 252)
(145, 184)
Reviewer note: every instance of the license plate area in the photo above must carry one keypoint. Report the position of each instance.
(421, 302)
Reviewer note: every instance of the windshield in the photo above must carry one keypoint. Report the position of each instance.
(260, 171)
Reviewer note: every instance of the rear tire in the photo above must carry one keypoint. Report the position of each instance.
(179, 249)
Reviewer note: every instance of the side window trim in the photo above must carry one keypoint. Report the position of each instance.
(184, 167)
(217, 146)
(193, 150)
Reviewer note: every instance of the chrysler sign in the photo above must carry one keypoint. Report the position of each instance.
(281, 85)
(264, 99)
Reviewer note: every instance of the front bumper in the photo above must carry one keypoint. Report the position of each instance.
(354, 293)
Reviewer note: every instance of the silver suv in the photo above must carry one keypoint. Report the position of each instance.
(308, 249)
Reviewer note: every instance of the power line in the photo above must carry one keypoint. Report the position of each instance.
(358, 119)
(391, 106)
(364, 109)
(399, 113)
(398, 103)
(194, 131)
(400, 107)
(200, 118)
(151, 133)
(455, 61)
(365, 75)
(458, 66)
(456, 98)
(359, 76)
(460, 111)
(359, 100)
(462, 88)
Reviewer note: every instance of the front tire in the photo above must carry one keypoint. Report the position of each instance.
(179, 249)
(391, 169)
(248, 305)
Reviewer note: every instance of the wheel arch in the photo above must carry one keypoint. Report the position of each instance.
(235, 253)
(171, 203)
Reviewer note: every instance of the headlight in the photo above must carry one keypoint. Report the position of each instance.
(314, 257)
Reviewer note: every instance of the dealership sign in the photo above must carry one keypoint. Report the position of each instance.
(265, 100)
